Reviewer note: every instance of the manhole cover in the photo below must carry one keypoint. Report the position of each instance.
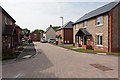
(28, 56)
(101, 67)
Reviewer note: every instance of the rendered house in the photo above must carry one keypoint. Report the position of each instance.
(50, 33)
(35, 36)
(99, 29)
(65, 33)
(11, 33)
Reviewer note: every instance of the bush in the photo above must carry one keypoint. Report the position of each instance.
(20, 48)
(24, 44)
(6, 55)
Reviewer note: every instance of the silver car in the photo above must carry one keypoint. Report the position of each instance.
(51, 40)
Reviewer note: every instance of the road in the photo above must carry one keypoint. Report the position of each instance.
(56, 62)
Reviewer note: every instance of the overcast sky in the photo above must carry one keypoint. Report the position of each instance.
(39, 14)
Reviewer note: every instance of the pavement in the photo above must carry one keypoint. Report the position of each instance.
(56, 62)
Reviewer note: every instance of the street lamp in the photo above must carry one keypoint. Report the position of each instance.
(62, 20)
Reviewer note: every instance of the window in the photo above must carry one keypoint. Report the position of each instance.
(35, 35)
(85, 23)
(11, 23)
(77, 39)
(76, 26)
(61, 31)
(5, 19)
(88, 37)
(81, 37)
(58, 32)
(99, 40)
(99, 20)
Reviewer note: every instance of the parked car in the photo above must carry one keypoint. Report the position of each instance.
(43, 41)
(23, 40)
(51, 40)
(29, 41)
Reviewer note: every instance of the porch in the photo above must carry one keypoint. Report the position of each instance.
(83, 38)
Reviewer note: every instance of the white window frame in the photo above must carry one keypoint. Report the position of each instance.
(98, 43)
(99, 20)
(76, 26)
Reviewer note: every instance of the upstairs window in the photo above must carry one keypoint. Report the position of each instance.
(5, 19)
(76, 26)
(11, 23)
(85, 24)
(35, 35)
(99, 20)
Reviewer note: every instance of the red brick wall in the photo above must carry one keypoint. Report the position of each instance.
(68, 35)
(35, 39)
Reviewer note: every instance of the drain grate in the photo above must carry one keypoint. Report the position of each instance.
(101, 67)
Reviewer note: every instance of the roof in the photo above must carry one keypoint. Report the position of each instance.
(104, 9)
(8, 30)
(67, 26)
(83, 31)
(1, 9)
(49, 28)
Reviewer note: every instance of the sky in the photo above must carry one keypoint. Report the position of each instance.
(40, 14)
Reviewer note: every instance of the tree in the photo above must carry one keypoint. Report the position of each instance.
(56, 27)
(26, 32)
(39, 30)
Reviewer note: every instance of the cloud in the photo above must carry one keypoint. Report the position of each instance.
(35, 14)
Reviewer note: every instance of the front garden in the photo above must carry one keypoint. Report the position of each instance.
(6, 54)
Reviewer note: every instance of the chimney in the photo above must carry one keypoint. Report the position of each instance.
(50, 25)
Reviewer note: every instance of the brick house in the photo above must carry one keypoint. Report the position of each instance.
(99, 29)
(65, 33)
(35, 36)
(10, 32)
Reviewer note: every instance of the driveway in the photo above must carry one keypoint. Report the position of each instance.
(56, 62)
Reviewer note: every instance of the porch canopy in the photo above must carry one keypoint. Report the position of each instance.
(83, 31)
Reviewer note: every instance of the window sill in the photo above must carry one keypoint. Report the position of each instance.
(99, 45)
(100, 25)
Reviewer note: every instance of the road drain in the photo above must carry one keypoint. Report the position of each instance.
(101, 67)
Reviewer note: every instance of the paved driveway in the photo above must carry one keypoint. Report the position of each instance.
(56, 62)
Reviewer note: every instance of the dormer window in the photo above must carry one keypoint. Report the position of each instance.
(85, 24)
(99, 20)
(5, 19)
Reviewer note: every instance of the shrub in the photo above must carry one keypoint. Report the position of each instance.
(20, 48)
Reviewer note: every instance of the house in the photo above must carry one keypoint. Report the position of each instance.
(35, 36)
(99, 29)
(50, 33)
(10, 32)
(65, 33)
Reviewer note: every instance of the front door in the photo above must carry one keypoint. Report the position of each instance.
(85, 40)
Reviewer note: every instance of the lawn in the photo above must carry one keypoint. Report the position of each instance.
(92, 51)
(69, 47)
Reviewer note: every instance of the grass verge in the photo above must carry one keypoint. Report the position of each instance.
(90, 51)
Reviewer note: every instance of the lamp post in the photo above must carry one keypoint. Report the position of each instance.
(62, 20)
(61, 27)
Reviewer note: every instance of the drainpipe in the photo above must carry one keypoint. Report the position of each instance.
(108, 32)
